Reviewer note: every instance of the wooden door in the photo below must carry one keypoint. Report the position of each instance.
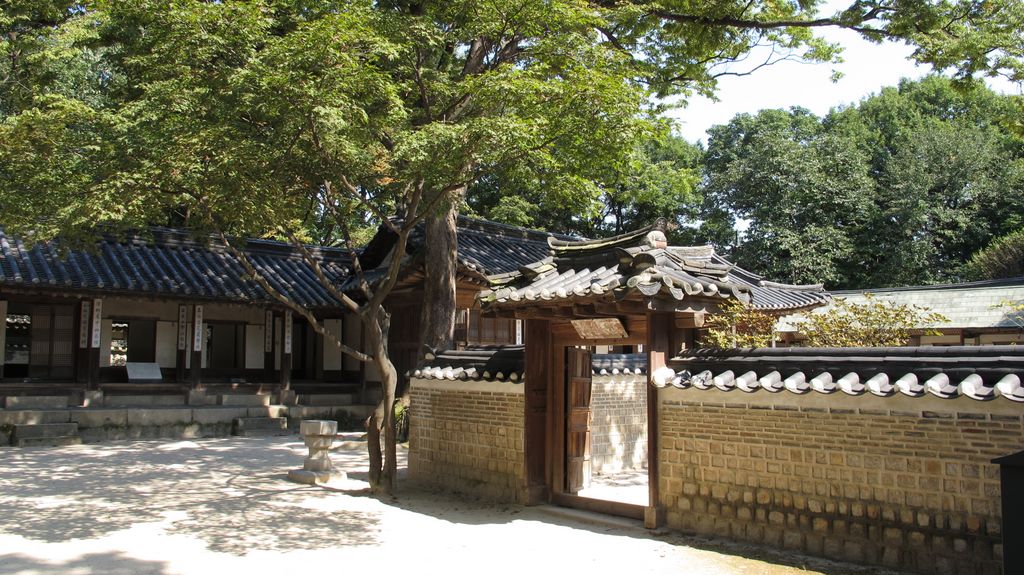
(578, 419)
(52, 353)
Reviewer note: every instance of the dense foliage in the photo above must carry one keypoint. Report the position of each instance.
(1003, 258)
(900, 189)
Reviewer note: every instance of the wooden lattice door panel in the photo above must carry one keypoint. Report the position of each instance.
(52, 348)
(578, 419)
(62, 360)
(39, 355)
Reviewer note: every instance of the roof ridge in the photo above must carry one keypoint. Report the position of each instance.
(1001, 282)
(491, 226)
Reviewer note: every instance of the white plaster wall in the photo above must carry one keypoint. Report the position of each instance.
(331, 354)
(166, 343)
(254, 346)
(353, 331)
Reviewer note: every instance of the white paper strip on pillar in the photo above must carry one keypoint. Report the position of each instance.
(97, 322)
(197, 329)
(83, 324)
(287, 332)
(268, 332)
(182, 327)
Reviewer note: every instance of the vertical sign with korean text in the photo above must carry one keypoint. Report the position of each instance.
(97, 322)
(197, 329)
(83, 324)
(268, 332)
(287, 332)
(182, 327)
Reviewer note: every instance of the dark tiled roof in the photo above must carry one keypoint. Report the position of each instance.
(642, 262)
(485, 249)
(979, 372)
(493, 249)
(619, 363)
(488, 363)
(169, 263)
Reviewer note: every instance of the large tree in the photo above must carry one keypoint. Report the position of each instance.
(301, 118)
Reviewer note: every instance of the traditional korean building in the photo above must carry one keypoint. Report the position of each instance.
(160, 312)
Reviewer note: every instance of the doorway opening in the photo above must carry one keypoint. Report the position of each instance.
(605, 432)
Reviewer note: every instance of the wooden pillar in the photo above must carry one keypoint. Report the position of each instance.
(268, 345)
(84, 311)
(95, 332)
(197, 347)
(538, 380)
(286, 352)
(181, 353)
(318, 353)
(660, 327)
(3, 335)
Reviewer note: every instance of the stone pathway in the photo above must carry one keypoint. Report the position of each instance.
(224, 506)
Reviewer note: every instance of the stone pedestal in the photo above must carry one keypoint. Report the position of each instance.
(317, 468)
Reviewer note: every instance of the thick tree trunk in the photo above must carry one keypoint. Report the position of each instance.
(438, 315)
(383, 457)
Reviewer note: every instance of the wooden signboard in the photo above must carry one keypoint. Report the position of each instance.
(601, 328)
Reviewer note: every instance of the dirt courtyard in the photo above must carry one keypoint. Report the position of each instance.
(225, 506)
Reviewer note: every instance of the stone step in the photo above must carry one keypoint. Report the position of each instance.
(327, 399)
(36, 402)
(261, 426)
(246, 399)
(47, 441)
(45, 434)
(143, 400)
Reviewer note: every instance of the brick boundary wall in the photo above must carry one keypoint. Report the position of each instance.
(619, 423)
(900, 482)
(467, 436)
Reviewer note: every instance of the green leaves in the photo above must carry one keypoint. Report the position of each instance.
(874, 323)
(898, 190)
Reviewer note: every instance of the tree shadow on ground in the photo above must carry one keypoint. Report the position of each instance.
(209, 488)
(106, 563)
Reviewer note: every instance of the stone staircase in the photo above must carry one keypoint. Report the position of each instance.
(45, 435)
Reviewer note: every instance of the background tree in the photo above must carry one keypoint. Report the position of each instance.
(1003, 258)
(898, 190)
(657, 179)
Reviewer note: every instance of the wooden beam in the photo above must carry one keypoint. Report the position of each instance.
(690, 320)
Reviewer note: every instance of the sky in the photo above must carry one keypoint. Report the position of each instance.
(866, 69)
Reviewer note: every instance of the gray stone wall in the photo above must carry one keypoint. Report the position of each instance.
(467, 436)
(875, 482)
(619, 424)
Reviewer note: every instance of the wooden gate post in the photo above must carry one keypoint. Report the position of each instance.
(659, 346)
